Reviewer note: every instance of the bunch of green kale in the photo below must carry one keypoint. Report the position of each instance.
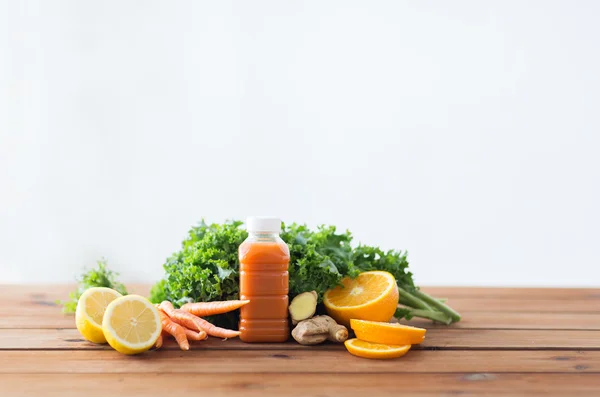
(101, 276)
(206, 267)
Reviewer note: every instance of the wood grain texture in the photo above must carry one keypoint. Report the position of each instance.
(292, 385)
(492, 320)
(296, 361)
(35, 307)
(61, 291)
(511, 342)
(437, 338)
(508, 305)
(39, 316)
(514, 293)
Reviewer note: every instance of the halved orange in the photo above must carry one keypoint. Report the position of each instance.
(366, 349)
(371, 296)
(387, 333)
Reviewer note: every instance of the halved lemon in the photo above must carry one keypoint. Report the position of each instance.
(131, 324)
(90, 310)
(371, 296)
(387, 333)
(366, 349)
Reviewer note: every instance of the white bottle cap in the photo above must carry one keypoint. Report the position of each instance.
(268, 224)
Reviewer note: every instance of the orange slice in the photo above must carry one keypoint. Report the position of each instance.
(387, 333)
(366, 349)
(371, 296)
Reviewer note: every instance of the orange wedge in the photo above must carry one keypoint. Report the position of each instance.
(366, 349)
(371, 296)
(387, 333)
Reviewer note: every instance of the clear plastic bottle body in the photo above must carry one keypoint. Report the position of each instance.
(264, 260)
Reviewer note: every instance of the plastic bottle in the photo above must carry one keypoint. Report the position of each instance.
(264, 259)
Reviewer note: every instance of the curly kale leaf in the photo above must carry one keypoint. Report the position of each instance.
(207, 268)
(368, 258)
(98, 277)
(318, 259)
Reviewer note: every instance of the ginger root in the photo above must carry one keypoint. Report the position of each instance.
(319, 329)
(303, 306)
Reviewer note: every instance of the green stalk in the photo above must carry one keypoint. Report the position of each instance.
(437, 305)
(431, 315)
(408, 299)
(435, 316)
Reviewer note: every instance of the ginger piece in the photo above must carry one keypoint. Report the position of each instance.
(319, 329)
(303, 306)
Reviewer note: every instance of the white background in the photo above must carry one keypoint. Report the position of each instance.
(467, 132)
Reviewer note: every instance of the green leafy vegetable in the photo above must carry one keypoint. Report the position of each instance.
(318, 259)
(99, 277)
(206, 268)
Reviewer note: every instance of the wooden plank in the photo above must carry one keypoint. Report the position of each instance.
(511, 339)
(491, 320)
(514, 293)
(503, 305)
(34, 307)
(39, 317)
(292, 385)
(53, 292)
(12, 339)
(42, 316)
(295, 361)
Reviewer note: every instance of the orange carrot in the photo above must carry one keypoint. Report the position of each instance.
(180, 317)
(202, 309)
(176, 330)
(213, 330)
(159, 342)
(196, 323)
(193, 335)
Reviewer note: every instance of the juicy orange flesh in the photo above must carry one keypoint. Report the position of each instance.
(361, 344)
(380, 332)
(96, 303)
(363, 289)
(374, 325)
(392, 325)
(133, 321)
(365, 349)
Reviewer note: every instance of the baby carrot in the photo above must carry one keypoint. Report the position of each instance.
(180, 317)
(202, 309)
(219, 332)
(193, 322)
(176, 330)
(193, 335)
(159, 341)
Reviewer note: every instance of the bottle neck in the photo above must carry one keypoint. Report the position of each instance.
(263, 236)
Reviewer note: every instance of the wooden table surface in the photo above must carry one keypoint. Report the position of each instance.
(511, 342)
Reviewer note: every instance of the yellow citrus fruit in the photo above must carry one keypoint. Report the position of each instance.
(131, 324)
(371, 296)
(386, 333)
(366, 349)
(90, 310)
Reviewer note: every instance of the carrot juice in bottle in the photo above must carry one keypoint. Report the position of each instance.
(264, 259)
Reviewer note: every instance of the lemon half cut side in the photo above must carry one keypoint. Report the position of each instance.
(90, 310)
(131, 324)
